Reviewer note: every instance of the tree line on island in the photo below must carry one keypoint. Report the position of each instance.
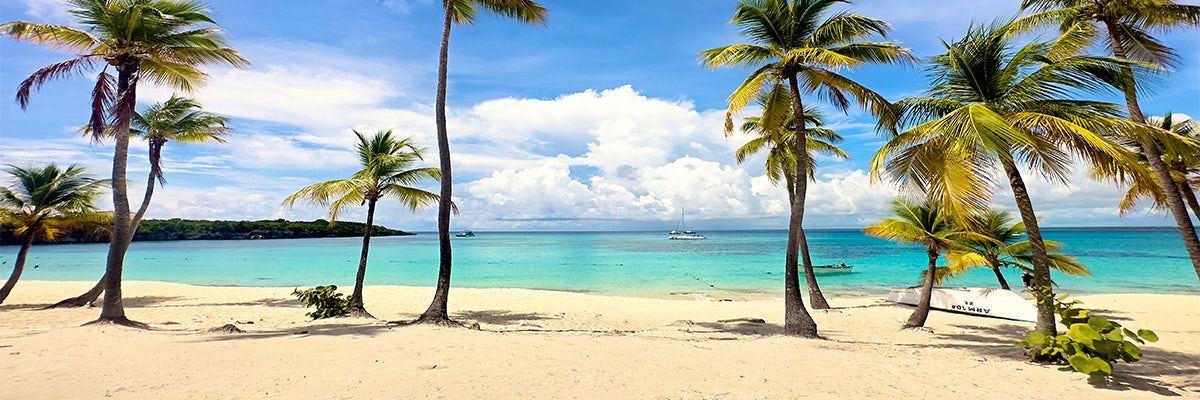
(193, 229)
(997, 108)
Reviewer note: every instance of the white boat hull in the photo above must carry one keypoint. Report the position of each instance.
(687, 237)
(984, 302)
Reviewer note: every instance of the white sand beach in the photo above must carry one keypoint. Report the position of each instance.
(543, 344)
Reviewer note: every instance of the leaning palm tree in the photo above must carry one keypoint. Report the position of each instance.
(159, 40)
(927, 224)
(797, 41)
(387, 173)
(774, 132)
(1181, 156)
(461, 12)
(992, 105)
(1125, 28)
(42, 203)
(178, 119)
(1002, 249)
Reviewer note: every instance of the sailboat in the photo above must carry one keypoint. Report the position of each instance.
(678, 234)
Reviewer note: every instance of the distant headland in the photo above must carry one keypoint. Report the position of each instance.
(190, 229)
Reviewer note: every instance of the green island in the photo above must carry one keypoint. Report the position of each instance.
(194, 229)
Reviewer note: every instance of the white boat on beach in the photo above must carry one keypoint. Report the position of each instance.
(984, 302)
(679, 234)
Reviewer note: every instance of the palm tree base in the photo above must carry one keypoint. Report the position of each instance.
(122, 321)
(437, 321)
(800, 331)
(358, 312)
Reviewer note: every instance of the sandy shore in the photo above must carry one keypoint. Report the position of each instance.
(542, 344)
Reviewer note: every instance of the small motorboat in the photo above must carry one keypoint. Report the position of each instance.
(839, 268)
(983, 302)
(466, 233)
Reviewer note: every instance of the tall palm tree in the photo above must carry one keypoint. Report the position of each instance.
(387, 173)
(1002, 249)
(992, 104)
(42, 203)
(1126, 28)
(928, 224)
(775, 132)
(460, 12)
(1181, 156)
(799, 42)
(178, 119)
(160, 40)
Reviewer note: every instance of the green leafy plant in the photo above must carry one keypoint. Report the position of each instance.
(1091, 344)
(326, 299)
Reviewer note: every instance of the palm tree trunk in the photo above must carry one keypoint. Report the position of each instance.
(85, 299)
(1041, 264)
(918, 317)
(1000, 277)
(18, 267)
(816, 299)
(437, 311)
(113, 310)
(1190, 196)
(1174, 200)
(797, 320)
(356, 308)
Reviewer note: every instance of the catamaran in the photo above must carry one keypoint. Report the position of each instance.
(683, 234)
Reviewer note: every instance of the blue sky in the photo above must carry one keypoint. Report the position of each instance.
(600, 120)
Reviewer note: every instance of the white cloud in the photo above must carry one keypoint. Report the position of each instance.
(54, 11)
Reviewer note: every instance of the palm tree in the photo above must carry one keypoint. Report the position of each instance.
(179, 119)
(1002, 249)
(991, 104)
(387, 173)
(798, 42)
(159, 40)
(774, 130)
(928, 224)
(461, 12)
(42, 203)
(1181, 156)
(1125, 27)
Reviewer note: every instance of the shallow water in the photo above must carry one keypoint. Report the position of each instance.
(732, 263)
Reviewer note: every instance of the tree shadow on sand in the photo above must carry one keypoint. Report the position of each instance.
(998, 341)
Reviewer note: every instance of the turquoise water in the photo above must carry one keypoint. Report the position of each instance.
(728, 263)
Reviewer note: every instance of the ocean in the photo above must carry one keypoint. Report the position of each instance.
(729, 264)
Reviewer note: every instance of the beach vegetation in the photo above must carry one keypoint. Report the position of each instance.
(388, 172)
(1091, 345)
(1126, 29)
(774, 131)
(461, 12)
(804, 44)
(925, 223)
(44, 203)
(997, 105)
(1004, 249)
(327, 301)
(161, 41)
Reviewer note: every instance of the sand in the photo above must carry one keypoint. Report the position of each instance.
(553, 345)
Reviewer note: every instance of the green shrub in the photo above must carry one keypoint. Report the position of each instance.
(1090, 345)
(326, 299)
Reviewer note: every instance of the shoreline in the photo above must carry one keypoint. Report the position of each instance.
(548, 344)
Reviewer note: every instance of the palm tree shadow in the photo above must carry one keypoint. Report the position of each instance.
(502, 317)
(740, 326)
(324, 329)
(149, 301)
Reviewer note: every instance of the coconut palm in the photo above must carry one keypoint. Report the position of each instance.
(799, 42)
(927, 224)
(159, 40)
(1183, 162)
(460, 12)
(387, 173)
(43, 203)
(178, 119)
(994, 104)
(1002, 249)
(774, 130)
(1125, 28)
